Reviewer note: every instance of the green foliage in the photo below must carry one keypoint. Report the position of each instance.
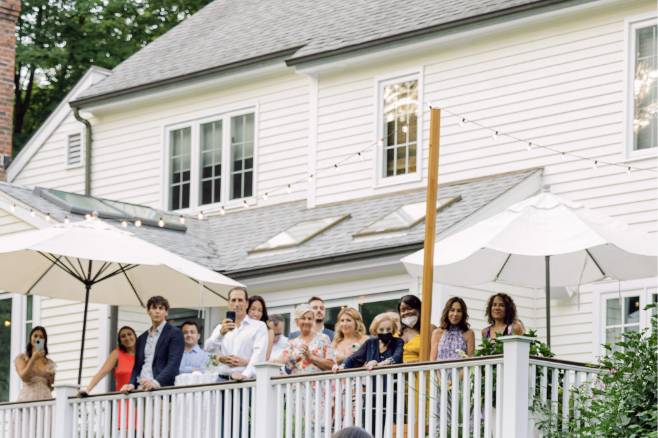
(58, 40)
(490, 347)
(623, 400)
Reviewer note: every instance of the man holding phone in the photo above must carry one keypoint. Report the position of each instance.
(239, 342)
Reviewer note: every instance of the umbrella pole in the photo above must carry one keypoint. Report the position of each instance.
(84, 329)
(548, 300)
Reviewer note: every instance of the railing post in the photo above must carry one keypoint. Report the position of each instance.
(265, 409)
(63, 418)
(516, 364)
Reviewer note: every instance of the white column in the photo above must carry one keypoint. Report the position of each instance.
(516, 356)
(265, 408)
(63, 409)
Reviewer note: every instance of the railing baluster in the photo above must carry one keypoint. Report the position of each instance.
(434, 403)
(358, 411)
(298, 410)
(466, 401)
(390, 409)
(166, 415)
(422, 402)
(543, 383)
(245, 412)
(289, 410)
(488, 392)
(140, 415)
(554, 392)
(368, 412)
(307, 409)
(217, 418)
(443, 404)
(379, 405)
(157, 411)
(399, 417)
(411, 405)
(148, 416)
(86, 418)
(348, 407)
(228, 406)
(454, 401)
(477, 400)
(566, 391)
(337, 405)
(327, 408)
(499, 400)
(317, 419)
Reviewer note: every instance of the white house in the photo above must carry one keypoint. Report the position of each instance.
(312, 119)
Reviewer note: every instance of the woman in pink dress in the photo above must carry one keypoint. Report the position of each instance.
(36, 371)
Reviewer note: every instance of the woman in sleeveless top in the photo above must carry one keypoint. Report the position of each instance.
(453, 339)
(501, 314)
(121, 360)
(36, 371)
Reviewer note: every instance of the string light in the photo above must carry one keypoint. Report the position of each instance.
(32, 213)
(494, 136)
(66, 220)
(181, 219)
(222, 211)
(13, 208)
(335, 166)
(595, 164)
(47, 217)
(161, 223)
(289, 188)
(360, 156)
(563, 156)
(245, 203)
(380, 142)
(462, 122)
(138, 223)
(310, 177)
(628, 170)
(200, 215)
(87, 216)
(124, 223)
(265, 196)
(529, 146)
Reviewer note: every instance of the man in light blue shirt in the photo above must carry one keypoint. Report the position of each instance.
(194, 358)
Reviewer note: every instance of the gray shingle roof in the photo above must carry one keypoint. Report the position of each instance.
(227, 32)
(222, 242)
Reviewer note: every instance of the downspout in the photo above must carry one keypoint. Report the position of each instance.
(88, 147)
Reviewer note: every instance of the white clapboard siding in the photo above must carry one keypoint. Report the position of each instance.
(63, 322)
(11, 224)
(134, 317)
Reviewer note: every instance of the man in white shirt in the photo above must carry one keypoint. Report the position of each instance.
(238, 345)
(278, 325)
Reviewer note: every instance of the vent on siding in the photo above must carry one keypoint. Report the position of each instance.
(74, 155)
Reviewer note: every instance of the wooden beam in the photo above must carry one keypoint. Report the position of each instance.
(430, 234)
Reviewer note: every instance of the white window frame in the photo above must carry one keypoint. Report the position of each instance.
(631, 24)
(380, 82)
(603, 292)
(82, 150)
(195, 161)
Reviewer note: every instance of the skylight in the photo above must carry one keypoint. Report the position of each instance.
(107, 209)
(299, 233)
(404, 217)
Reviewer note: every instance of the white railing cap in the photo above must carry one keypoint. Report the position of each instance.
(513, 338)
(268, 365)
(66, 386)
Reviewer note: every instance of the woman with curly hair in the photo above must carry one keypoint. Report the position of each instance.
(454, 337)
(501, 314)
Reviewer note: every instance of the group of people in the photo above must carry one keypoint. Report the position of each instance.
(248, 335)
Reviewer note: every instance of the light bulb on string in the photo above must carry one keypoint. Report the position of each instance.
(405, 129)
(289, 188)
(138, 223)
(494, 136)
(245, 203)
(200, 215)
(32, 213)
(66, 220)
(462, 122)
(336, 166)
(181, 219)
(360, 156)
(595, 164)
(563, 156)
(380, 142)
(629, 170)
(124, 223)
(222, 211)
(47, 217)
(529, 146)
(13, 208)
(161, 223)
(87, 216)
(310, 177)
(265, 196)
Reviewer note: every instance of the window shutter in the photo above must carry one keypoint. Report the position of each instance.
(74, 152)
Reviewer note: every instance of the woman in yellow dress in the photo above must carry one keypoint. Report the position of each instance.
(409, 311)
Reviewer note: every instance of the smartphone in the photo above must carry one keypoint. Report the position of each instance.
(38, 344)
(230, 315)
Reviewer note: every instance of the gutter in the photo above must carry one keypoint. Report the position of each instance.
(88, 146)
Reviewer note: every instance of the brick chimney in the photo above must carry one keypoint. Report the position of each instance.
(9, 12)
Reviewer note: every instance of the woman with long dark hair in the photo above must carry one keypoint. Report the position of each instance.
(36, 370)
(454, 336)
(257, 310)
(501, 314)
(409, 311)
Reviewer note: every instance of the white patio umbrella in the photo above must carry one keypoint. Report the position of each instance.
(543, 241)
(96, 262)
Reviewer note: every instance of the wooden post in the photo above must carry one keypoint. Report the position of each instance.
(430, 234)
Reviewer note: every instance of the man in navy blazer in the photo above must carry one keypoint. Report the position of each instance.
(158, 352)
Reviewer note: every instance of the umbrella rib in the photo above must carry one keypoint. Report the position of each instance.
(596, 263)
(54, 262)
(81, 268)
(103, 268)
(208, 289)
(61, 265)
(117, 272)
(71, 267)
(500, 271)
(125, 274)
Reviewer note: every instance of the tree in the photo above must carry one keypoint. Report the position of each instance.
(58, 40)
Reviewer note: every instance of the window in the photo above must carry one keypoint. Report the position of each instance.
(212, 161)
(74, 150)
(370, 310)
(643, 77)
(180, 168)
(299, 233)
(399, 127)
(624, 311)
(242, 156)
(6, 367)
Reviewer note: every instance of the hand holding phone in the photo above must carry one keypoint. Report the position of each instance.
(38, 345)
(230, 315)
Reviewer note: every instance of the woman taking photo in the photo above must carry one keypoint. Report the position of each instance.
(501, 314)
(121, 360)
(36, 371)
(454, 337)
(258, 311)
(350, 334)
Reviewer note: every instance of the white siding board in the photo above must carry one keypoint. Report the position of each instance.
(10, 224)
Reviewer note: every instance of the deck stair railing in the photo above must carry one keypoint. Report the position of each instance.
(482, 397)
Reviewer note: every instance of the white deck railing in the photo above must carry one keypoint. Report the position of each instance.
(476, 397)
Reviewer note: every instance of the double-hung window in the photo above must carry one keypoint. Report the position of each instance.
(642, 71)
(623, 312)
(211, 161)
(399, 131)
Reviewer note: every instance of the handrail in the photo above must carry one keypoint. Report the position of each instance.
(567, 365)
(44, 402)
(409, 367)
